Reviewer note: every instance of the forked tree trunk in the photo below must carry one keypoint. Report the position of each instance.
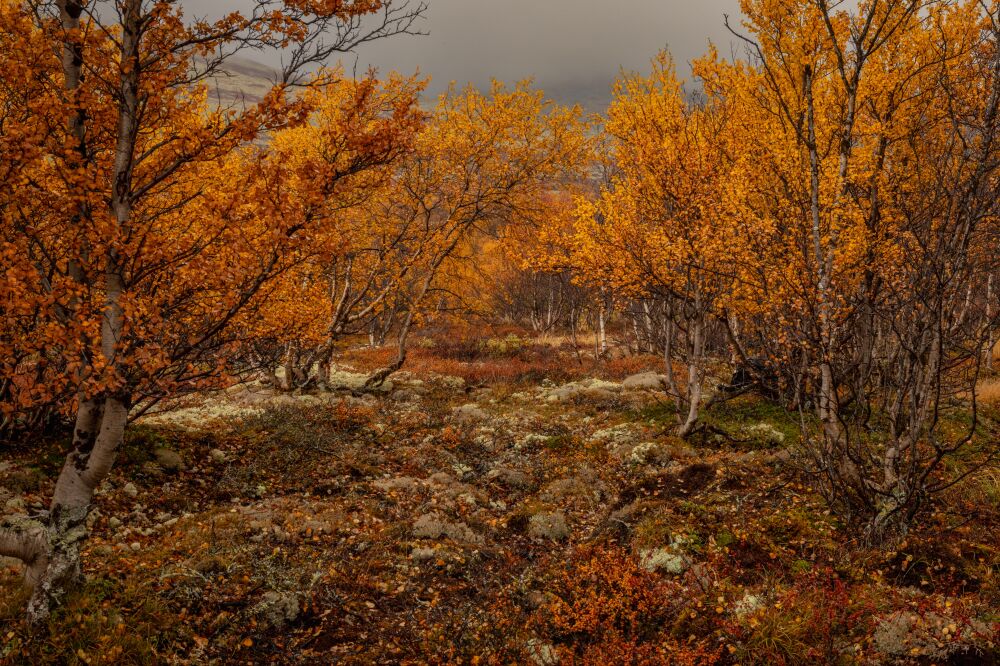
(378, 378)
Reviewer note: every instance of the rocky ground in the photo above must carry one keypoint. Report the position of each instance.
(546, 518)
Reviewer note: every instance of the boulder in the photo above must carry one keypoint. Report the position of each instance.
(169, 461)
(510, 478)
(470, 412)
(645, 381)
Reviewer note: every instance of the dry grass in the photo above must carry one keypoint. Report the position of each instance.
(988, 392)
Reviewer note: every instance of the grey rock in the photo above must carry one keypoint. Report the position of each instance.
(470, 412)
(169, 461)
(645, 381)
(510, 478)
(404, 395)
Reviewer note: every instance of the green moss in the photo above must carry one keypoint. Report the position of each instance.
(801, 566)
(724, 538)
(657, 413)
(739, 416)
(140, 441)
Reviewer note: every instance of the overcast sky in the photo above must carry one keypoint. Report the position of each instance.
(573, 49)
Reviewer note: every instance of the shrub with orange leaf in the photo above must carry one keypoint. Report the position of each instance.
(603, 607)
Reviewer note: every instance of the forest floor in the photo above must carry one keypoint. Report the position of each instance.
(517, 507)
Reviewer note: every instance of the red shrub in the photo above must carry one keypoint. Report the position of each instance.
(604, 608)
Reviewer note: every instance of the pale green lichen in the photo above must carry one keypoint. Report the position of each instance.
(665, 559)
(766, 432)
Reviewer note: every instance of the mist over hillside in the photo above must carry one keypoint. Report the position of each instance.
(245, 81)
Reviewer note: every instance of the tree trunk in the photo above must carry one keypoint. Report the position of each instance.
(56, 569)
(100, 424)
(696, 346)
(668, 360)
(602, 336)
(378, 378)
(991, 341)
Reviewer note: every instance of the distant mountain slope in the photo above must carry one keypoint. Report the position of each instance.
(245, 81)
(241, 81)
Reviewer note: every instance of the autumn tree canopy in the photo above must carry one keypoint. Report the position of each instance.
(133, 248)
